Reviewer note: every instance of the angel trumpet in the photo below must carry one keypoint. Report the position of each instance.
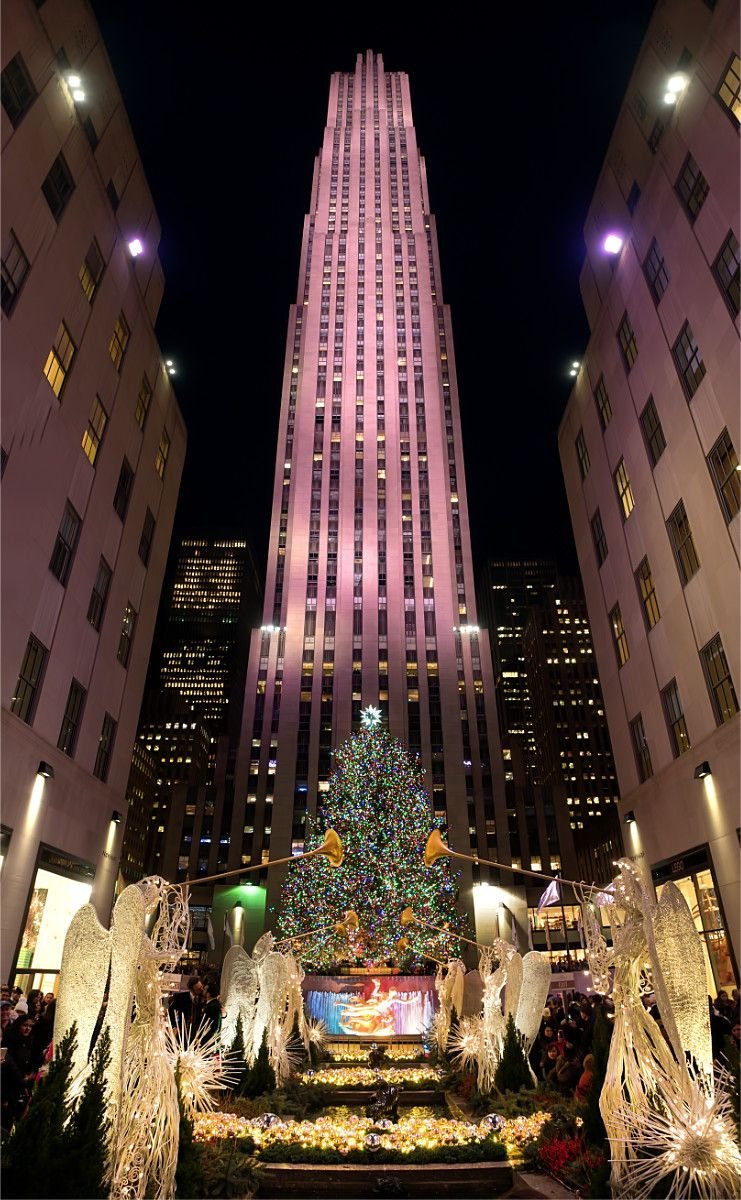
(330, 848)
(435, 848)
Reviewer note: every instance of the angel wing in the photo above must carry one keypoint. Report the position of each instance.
(82, 979)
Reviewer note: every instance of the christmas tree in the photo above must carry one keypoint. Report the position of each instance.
(378, 804)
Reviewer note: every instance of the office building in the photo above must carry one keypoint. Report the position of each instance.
(649, 449)
(369, 591)
(93, 445)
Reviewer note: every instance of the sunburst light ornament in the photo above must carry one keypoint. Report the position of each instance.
(370, 718)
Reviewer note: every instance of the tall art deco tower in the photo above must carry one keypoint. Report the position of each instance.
(369, 596)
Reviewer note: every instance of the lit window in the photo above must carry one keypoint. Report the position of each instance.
(675, 719)
(160, 461)
(691, 187)
(64, 546)
(18, 92)
(688, 360)
(723, 464)
(729, 89)
(58, 186)
(647, 592)
(119, 341)
(654, 268)
(652, 432)
(15, 267)
(725, 269)
(619, 636)
(680, 535)
(640, 749)
(91, 271)
(93, 435)
(624, 490)
(59, 360)
(719, 681)
(627, 340)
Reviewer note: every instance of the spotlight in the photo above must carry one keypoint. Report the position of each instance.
(46, 770)
(135, 248)
(629, 817)
(676, 84)
(702, 770)
(613, 243)
(116, 817)
(74, 81)
(78, 95)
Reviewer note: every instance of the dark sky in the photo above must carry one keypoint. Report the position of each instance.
(513, 118)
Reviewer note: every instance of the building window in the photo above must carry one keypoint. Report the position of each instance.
(655, 271)
(680, 536)
(145, 541)
(652, 432)
(691, 187)
(680, 739)
(64, 547)
(71, 719)
(99, 594)
(725, 269)
(600, 541)
(112, 194)
(58, 186)
(720, 684)
(640, 749)
(15, 268)
(93, 435)
(143, 401)
(688, 360)
(647, 592)
(29, 680)
(91, 271)
(624, 490)
(127, 635)
(59, 360)
(723, 464)
(634, 196)
(18, 92)
(627, 340)
(123, 489)
(619, 635)
(105, 748)
(582, 454)
(729, 89)
(602, 400)
(160, 461)
(90, 132)
(119, 341)
(656, 135)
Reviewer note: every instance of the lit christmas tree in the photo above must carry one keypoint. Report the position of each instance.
(378, 805)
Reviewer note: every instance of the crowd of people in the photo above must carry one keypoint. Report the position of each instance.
(561, 1054)
(26, 1030)
(198, 1007)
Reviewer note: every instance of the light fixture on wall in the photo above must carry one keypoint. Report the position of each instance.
(46, 770)
(702, 770)
(116, 817)
(629, 817)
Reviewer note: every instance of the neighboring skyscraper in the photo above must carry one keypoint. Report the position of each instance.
(370, 594)
(93, 445)
(649, 447)
(192, 712)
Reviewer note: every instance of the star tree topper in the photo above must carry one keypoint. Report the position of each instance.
(370, 717)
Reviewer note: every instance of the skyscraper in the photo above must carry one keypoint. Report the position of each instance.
(369, 591)
(93, 445)
(649, 449)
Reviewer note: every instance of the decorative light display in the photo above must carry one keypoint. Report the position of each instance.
(204, 1069)
(378, 804)
(265, 992)
(344, 1077)
(342, 1052)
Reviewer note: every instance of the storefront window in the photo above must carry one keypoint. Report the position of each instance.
(699, 892)
(55, 899)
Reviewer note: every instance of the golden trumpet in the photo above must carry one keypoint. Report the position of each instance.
(331, 848)
(435, 848)
(407, 917)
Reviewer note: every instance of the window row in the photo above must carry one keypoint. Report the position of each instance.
(722, 695)
(26, 695)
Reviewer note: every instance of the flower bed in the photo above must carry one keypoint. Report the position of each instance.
(365, 1078)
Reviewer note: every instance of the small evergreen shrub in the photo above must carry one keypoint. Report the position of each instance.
(512, 1072)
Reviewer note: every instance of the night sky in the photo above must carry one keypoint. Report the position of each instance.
(513, 117)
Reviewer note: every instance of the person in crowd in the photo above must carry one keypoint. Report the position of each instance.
(19, 1000)
(186, 1008)
(584, 1083)
(548, 1065)
(6, 1020)
(720, 1029)
(20, 1065)
(567, 1071)
(49, 998)
(43, 1030)
(212, 1007)
(5, 992)
(35, 1003)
